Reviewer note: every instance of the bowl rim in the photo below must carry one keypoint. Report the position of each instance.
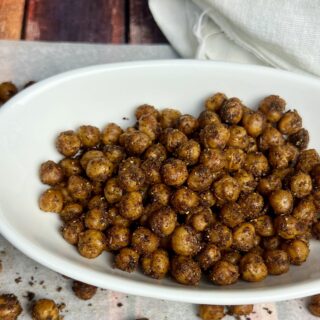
(136, 287)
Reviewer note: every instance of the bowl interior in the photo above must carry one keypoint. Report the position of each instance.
(98, 95)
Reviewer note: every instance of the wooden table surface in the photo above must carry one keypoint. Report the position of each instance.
(99, 21)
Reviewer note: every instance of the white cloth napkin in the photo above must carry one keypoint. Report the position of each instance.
(281, 33)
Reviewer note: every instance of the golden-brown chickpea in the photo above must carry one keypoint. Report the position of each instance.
(241, 310)
(246, 181)
(144, 240)
(232, 257)
(224, 273)
(7, 91)
(111, 134)
(305, 210)
(51, 201)
(256, 163)
(127, 259)
(269, 184)
(271, 243)
(214, 159)
(146, 109)
(130, 206)
(270, 137)
(231, 214)
(98, 201)
(208, 256)
(91, 243)
(156, 152)
(273, 107)
(149, 125)
(231, 111)
(235, 158)
(112, 190)
(253, 268)
(174, 172)
(189, 152)
(281, 201)
(215, 136)
(254, 123)
(185, 270)
(71, 230)
(89, 155)
(117, 237)
(184, 200)
(288, 227)
(79, 188)
(137, 142)
(163, 221)
(10, 307)
(96, 219)
(307, 160)
(300, 139)
(297, 250)
(290, 123)
(220, 235)
(301, 185)
(252, 145)
(200, 218)
(70, 167)
(314, 305)
(207, 199)
(251, 205)
(185, 241)
(89, 136)
(277, 261)
(243, 237)
(211, 312)
(226, 189)
(71, 211)
(123, 137)
(160, 193)
(207, 118)
(99, 169)
(156, 264)
(215, 102)
(238, 137)
(316, 230)
(169, 118)
(264, 226)
(68, 143)
(172, 139)
(151, 169)
(130, 176)
(45, 309)
(200, 178)
(187, 124)
(114, 153)
(51, 173)
(83, 291)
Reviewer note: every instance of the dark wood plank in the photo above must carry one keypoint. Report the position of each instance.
(142, 27)
(11, 18)
(76, 20)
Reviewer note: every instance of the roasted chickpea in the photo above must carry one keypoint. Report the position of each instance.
(290, 123)
(114, 153)
(211, 312)
(185, 241)
(160, 193)
(253, 268)
(10, 307)
(130, 205)
(112, 191)
(187, 124)
(96, 219)
(174, 172)
(231, 111)
(45, 309)
(254, 123)
(241, 310)
(70, 167)
(269, 184)
(146, 109)
(251, 205)
(144, 240)
(99, 169)
(149, 125)
(215, 136)
(316, 230)
(172, 139)
(83, 291)
(200, 218)
(71, 230)
(137, 142)
(89, 136)
(307, 160)
(189, 152)
(156, 264)
(224, 273)
(288, 227)
(7, 91)
(156, 152)
(151, 169)
(246, 181)
(51, 201)
(280, 157)
(220, 235)
(277, 261)
(238, 137)
(68, 143)
(207, 199)
(163, 221)
(79, 188)
(232, 257)
(300, 139)
(98, 201)
(215, 102)
(235, 158)
(301, 185)
(117, 237)
(200, 178)
(297, 250)
(256, 163)
(226, 189)
(185, 270)
(214, 159)
(281, 201)
(270, 137)
(208, 117)
(115, 219)
(90, 155)
(169, 118)
(91, 243)
(184, 200)
(111, 134)
(243, 237)
(51, 173)
(131, 177)
(231, 214)
(127, 259)
(208, 256)
(271, 243)
(71, 211)
(273, 107)
(314, 305)
(252, 145)
(264, 226)
(123, 136)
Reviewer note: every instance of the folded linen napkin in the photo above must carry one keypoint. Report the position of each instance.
(281, 33)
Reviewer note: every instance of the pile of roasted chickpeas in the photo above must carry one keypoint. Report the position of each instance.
(232, 193)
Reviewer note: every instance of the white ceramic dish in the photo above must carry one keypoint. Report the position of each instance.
(97, 95)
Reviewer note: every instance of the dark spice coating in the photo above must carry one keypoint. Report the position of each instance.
(83, 291)
(10, 307)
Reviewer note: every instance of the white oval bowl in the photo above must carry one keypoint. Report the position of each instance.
(97, 95)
